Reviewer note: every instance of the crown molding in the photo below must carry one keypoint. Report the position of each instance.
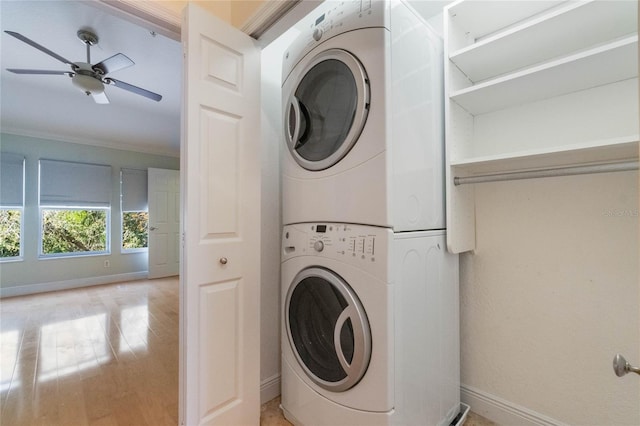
(149, 14)
(269, 12)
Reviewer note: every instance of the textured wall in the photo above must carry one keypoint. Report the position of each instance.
(551, 295)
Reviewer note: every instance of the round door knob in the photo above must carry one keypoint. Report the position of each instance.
(622, 367)
(223, 260)
(318, 246)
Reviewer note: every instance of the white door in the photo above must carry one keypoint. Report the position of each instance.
(220, 289)
(163, 194)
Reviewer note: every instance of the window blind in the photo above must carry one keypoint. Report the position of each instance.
(67, 184)
(11, 180)
(133, 190)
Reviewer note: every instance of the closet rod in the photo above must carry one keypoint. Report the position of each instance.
(560, 171)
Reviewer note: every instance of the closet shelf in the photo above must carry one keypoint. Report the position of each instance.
(536, 40)
(615, 61)
(482, 18)
(523, 76)
(597, 152)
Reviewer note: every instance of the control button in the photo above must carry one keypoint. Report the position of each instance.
(317, 34)
(318, 246)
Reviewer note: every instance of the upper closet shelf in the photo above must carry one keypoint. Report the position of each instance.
(551, 34)
(481, 18)
(615, 61)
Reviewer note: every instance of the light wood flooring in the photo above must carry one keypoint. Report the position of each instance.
(103, 356)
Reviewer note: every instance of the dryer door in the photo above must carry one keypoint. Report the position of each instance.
(327, 109)
(328, 329)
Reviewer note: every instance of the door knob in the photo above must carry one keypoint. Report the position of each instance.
(223, 260)
(152, 228)
(622, 367)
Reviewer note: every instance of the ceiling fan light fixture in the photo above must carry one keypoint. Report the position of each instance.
(88, 84)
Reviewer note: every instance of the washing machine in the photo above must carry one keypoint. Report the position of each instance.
(370, 326)
(363, 118)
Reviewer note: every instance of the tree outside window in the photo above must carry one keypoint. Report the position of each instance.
(10, 231)
(135, 233)
(74, 231)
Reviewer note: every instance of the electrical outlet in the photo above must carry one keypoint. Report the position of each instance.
(107, 264)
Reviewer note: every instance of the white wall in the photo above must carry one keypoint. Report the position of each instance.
(271, 217)
(33, 274)
(550, 296)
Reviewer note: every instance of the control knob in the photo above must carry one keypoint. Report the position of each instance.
(317, 34)
(318, 245)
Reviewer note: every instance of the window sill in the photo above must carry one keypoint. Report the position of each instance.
(134, 251)
(59, 256)
(11, 259)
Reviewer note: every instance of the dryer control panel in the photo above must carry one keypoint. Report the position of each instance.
(330, 19)
(363, 246)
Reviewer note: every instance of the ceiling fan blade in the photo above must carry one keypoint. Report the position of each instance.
(100, 98)
(39, 47)
(134, 89)
(114, 63)
(44, 72)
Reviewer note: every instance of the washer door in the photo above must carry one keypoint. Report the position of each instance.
(327, 110)
(328, 329)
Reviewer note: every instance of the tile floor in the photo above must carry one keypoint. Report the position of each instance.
(103, 355)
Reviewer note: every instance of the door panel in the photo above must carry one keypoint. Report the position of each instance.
(220, 308)
(220, 163)
(164, 222)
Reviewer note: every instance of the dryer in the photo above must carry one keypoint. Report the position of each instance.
(369, 326)
(363, 118)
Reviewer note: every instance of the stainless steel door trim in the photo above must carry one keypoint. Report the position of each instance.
(360, 117)
(359, 323)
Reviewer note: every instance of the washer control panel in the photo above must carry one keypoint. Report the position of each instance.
(357, 244)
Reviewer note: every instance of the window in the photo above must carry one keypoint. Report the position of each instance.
(11, 205)
(135, 210)
(75, 207)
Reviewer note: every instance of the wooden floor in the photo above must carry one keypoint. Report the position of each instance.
(104, 355)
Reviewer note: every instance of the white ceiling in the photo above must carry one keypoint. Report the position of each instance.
(50, 106)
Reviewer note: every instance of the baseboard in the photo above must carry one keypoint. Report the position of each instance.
(501, 411)
(21, 290)
(269, 388)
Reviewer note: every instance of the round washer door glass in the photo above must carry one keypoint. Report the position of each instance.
(327, 109)
(328, 329)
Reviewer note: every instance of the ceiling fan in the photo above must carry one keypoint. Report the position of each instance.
(91, 79)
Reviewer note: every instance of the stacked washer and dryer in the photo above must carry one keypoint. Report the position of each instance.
(370, 314)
